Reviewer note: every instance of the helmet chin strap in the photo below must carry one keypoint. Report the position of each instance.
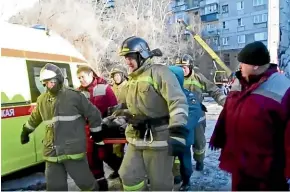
(190, 72)
(140, 60)
(55, 89)
(122, 80)
(119, 82)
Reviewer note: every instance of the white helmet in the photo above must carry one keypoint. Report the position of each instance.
(51, 71)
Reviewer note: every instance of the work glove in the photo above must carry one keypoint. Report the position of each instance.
(122, 112)
(112, 109)
(118, 150)
(25, 135)
(97, 137)
(177, 140)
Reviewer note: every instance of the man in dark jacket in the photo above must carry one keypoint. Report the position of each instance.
(253, 129)
(102, 96)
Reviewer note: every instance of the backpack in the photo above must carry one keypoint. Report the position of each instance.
(194, 106)
(194, 114)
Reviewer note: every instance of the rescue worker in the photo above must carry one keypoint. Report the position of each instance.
(102, 96)
(63, 110)
(198, 83)
(194, 113)
(253, 129)
(120, 79)
(157, 116)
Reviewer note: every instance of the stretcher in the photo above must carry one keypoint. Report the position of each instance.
(115, 140)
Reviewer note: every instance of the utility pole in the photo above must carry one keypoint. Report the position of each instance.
(273, 29)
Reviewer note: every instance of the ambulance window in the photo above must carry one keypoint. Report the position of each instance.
(34, 67)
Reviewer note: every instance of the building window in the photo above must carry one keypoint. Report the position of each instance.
(210, 9)
(225, 24)
(210, 27)
(225, 40)
(207, 41)
(225, 8)
(241, 39)
(262, 36)
(240, 22)
(179, 2)
(227, 59)
(259, 2)
(216, 41)
(240, 5)
(262, 18)
(180, 16)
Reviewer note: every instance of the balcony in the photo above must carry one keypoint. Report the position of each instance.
(209, 9)
(179, 8)
(179, 3)
(209, 17)
(210, 32)
(192, 5)
(208, 2)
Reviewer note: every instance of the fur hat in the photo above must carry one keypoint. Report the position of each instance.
(255, 53)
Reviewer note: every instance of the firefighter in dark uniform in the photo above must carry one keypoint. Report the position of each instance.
(64, 111)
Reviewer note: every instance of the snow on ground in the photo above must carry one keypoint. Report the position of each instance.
(210, 179)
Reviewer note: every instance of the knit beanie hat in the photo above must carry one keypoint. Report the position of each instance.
(255, 53)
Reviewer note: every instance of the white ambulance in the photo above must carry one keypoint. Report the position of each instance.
(24, 51)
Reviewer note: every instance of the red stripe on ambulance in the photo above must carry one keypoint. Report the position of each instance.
(9, 112)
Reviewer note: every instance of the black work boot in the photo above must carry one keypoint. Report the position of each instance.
(113, 175)
(184, 187)
(103, 185)
(177, 180)
(199, 166)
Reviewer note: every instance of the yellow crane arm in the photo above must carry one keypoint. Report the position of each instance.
(207, 48)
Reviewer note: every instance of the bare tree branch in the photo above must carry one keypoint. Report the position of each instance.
(97, 31)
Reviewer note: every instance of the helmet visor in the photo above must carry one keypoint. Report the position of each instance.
(124, 51)
(46, 75)
(49, 81)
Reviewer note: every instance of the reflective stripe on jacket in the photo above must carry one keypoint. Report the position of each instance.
(101, 95)
(153, 91)
(253, 129)
(198, 83)
(64, 117)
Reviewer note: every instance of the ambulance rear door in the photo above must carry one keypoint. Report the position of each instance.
(15, 110)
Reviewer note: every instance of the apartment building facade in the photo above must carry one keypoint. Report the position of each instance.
(200, 17)
(241, 22)
(209, 14)
(228, 25)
